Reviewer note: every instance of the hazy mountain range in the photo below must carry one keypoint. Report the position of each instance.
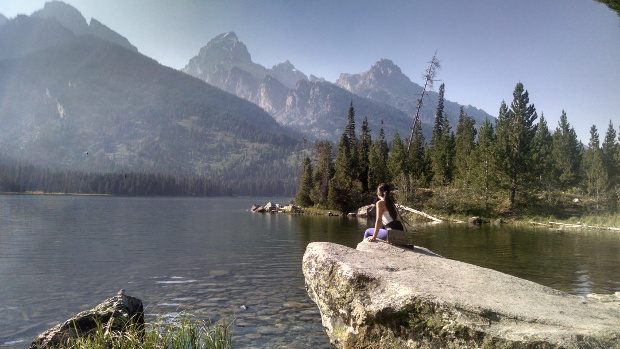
(313, 106)
(77, 95)
(78, 100)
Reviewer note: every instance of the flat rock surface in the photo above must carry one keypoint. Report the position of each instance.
(470, 306)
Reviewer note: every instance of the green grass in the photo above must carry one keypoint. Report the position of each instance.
(182, 332)
(604, 220)
(453, 204)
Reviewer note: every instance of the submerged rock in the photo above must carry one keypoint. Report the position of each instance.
(383, 296)
(114, 314)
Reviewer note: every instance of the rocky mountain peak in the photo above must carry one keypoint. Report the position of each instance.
(70, 18)
(226, 46)
(3, 19)
(382, 76)
(287, 74)
(285, 65)
(386, 68)
(315, 78)
(223, 52)
(66, 14)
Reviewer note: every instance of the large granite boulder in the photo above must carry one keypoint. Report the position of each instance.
(114, 314)
(366, 211)
(383, 296)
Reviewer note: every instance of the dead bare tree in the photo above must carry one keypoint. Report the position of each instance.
(429, 77)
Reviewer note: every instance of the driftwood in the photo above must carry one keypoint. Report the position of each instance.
(558, 225)
(426, 215)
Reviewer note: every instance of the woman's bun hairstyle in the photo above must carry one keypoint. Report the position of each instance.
(384, 191)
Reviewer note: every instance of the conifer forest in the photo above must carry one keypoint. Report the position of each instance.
(516, 165)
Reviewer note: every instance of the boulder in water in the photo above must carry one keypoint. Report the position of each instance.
(114, 314)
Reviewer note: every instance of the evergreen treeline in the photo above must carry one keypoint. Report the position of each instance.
(506, 166)
(21, 178)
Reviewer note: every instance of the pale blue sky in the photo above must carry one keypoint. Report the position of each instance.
(565, 52)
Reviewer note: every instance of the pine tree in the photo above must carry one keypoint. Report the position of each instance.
(566, 154)
(365, 143)
(352, 143)
(350, 128)
(305, 185)
(378, 171)
(385, 150)
(465, 143)
(345, 191)
(543, 144)
(440, 149)
(484, 162)
(323, 172)
(438, 128)
(416, 168)
(397, 158)
(595, 171)
(515, 133)
(595, 142)
(608, 154)
(398, 167)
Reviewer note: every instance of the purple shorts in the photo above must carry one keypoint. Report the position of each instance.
(381, 235)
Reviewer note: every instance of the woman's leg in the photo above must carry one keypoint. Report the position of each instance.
(381, 235)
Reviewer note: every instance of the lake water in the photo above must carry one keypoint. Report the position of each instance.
(60, 255)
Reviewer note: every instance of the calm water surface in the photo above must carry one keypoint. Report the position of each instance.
(60, 255)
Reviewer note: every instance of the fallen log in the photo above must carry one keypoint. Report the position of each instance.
(423, 214)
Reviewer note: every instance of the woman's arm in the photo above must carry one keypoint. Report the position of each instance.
(379, 222)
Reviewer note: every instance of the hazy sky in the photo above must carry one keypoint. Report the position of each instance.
(565, 52)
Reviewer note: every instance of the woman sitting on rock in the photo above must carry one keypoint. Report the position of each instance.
(387, 216)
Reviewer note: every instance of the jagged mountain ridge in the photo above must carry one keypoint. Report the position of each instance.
(316, 108)
(385, 82)
(83, 103)
(23, 35)
(73, 20)
(287, 74)
(3, 19)
(382, 93)
(320, 109)
(225, 53)
(26, 34)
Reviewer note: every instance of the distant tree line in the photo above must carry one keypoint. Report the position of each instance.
(22, 178)
(509, 162)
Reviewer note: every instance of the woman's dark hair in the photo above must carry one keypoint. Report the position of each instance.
(384, 190)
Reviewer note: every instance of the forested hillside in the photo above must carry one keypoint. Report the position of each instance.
(517, 165)
(89, 105)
